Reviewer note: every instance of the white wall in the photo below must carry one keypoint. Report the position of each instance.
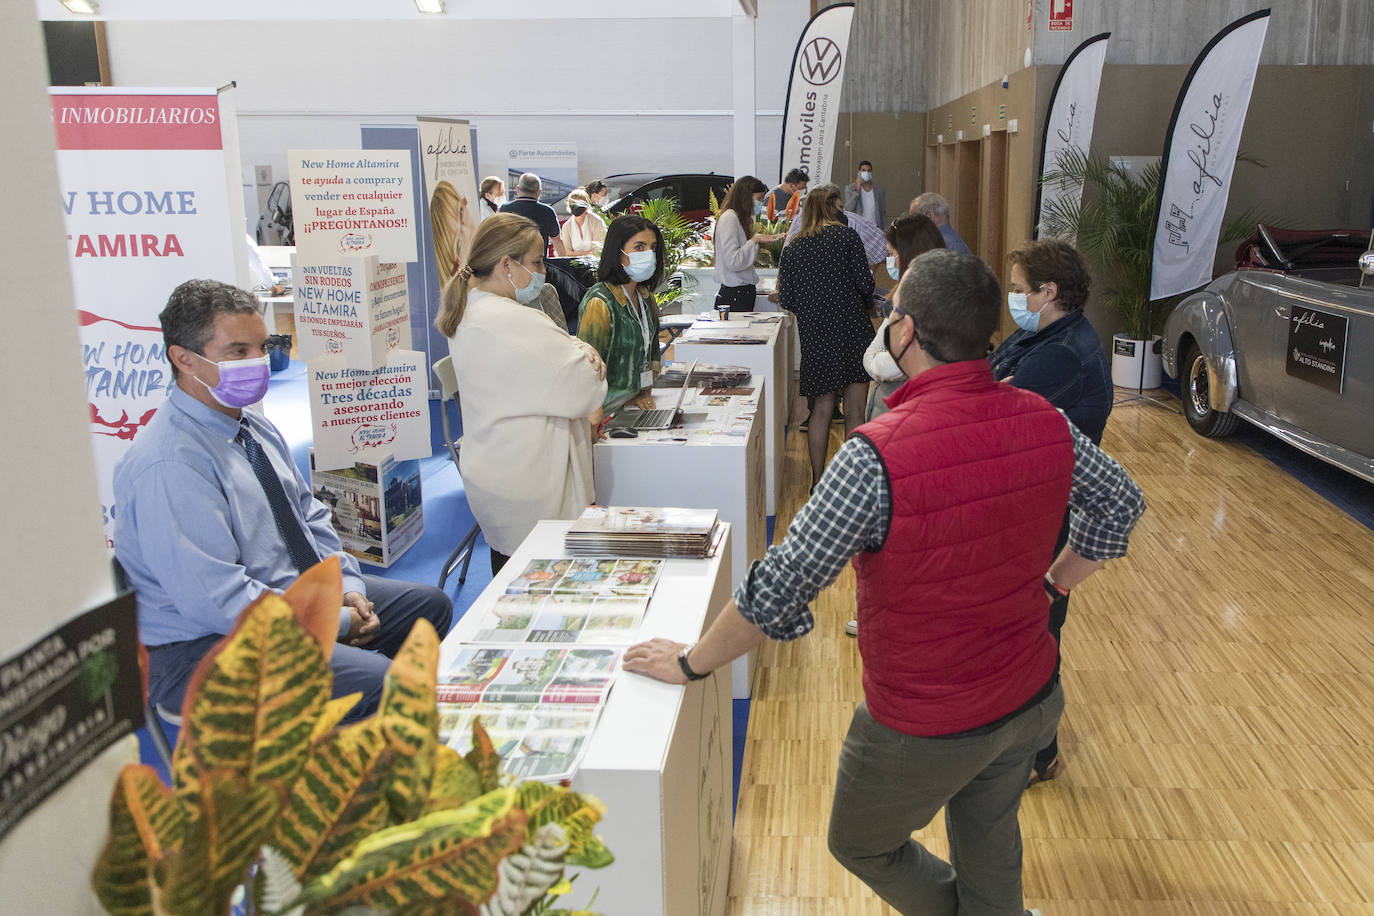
(54, 563)
(635, 95)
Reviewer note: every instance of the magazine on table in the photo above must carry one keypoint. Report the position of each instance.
(642, 531)
(588, 576)
(540, 706)
(561, 619)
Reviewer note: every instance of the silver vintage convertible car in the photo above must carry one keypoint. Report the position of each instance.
(1286, 342)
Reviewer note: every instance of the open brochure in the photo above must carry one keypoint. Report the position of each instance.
(579, 619)
(588, 576)
(542, 660)
(540, 706)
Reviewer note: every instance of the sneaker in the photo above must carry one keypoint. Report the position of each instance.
(1034, 912)
(851, 628)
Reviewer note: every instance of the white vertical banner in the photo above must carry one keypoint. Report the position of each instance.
(145, 189)
(1069, 125)
(450, 191)
(1200, 155)
(813, 93)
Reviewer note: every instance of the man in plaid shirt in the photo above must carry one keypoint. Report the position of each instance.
(947, 506)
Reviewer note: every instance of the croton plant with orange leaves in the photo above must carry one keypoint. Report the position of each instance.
(271, 793)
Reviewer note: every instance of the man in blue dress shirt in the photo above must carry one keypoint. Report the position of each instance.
(211, 511)
(935, 208)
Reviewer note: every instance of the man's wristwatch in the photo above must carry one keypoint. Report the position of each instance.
(686, 668)
(1054, 589)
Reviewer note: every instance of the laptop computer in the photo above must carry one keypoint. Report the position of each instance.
(661, 418)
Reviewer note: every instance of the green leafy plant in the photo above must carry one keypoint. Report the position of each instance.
(679, 235)
(272, 793)
(1114, 224)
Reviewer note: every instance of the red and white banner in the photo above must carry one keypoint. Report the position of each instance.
(813, 93)
(150, 196)
(1069, 126)
(1200, 155)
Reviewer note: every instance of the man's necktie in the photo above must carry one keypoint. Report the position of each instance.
(303, 555)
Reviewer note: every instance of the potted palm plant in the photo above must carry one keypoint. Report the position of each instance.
(1114, 225)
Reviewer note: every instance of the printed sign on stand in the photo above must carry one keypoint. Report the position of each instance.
(63, 700)
(356, 307)
(352, 202)
(357, 414)
(554, 162)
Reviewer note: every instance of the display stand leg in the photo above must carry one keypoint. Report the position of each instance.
(1141, 396)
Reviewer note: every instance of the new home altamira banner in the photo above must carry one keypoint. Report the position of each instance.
(1200, 155)
(813, 93)
(352, 202)
(146, 193)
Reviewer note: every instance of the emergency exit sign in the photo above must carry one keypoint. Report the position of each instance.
(1061, 15)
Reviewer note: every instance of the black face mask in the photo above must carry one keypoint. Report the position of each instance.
(578, 211)
(887, 339)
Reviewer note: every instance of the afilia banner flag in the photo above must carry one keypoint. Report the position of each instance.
(1069, 126)
(1200, 155)
(813, 93)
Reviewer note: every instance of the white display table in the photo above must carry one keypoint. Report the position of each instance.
(660, 757)
(722, 473)
(769, 359)
(702, 286)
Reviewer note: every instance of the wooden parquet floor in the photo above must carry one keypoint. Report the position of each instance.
(1219, 734)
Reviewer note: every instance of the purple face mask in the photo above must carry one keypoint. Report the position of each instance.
(241, 381)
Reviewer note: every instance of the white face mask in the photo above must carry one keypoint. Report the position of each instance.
(892, 268)
(866, 175)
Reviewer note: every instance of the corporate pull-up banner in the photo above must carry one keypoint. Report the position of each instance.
(813, 93)
(1069, 128)
(146, 184)
(1200, 155)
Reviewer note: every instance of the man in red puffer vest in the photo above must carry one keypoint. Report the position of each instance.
(948, 505)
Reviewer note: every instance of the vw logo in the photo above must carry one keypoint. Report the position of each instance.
(821, 61)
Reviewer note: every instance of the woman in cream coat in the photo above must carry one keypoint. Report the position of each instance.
(531, 395)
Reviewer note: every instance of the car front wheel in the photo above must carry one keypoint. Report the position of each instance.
(1197, 405)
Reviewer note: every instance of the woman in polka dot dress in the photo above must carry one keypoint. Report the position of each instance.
(824, 279)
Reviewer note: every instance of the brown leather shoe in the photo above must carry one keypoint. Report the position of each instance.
(1050, 772)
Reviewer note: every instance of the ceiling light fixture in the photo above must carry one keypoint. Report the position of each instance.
(84, 7)
(430, 6)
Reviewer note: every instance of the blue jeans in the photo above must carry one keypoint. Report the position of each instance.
(397, 604)
(890, 784)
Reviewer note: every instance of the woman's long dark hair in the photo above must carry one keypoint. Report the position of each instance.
(740, 198)
(911, 236)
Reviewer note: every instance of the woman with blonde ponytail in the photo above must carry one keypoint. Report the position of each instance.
(531, 394)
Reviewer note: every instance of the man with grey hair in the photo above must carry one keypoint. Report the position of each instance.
(948, 506)
(528, 205)
(935, 208)
(211, 512)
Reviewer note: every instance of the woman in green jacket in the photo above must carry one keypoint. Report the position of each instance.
(619, 316)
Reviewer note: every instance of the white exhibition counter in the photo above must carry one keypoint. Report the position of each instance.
(660, 757)
(696, 470)
(770, 359)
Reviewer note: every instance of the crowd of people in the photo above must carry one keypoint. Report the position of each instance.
(970, 491)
